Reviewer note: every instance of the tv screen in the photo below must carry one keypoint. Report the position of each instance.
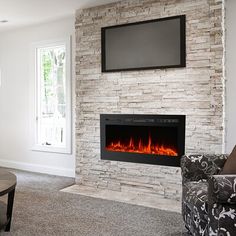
(150, 44)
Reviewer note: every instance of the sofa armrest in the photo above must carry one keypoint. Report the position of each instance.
(222, 189)
(198, 167)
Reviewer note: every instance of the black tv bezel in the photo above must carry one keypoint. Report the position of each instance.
(182, 45)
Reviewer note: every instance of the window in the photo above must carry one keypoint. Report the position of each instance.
(52, 96)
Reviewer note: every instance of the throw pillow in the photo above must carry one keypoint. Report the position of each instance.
(230, 164)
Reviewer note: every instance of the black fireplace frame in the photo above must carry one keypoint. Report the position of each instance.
(144, 120)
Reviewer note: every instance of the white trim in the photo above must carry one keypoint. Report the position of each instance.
(41, 148)
(33, 91)
(38, 168)
(224, 96)
(0, 77)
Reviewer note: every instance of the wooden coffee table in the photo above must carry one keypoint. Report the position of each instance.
(7, 186)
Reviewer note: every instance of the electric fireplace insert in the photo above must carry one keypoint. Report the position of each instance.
(150, 139)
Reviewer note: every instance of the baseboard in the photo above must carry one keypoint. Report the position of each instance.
(38, 168)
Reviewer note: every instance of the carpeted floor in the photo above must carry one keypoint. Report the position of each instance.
(42, 210)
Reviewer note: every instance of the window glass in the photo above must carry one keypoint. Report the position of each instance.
(51, 96)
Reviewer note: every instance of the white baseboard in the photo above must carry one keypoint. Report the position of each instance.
(37, 168)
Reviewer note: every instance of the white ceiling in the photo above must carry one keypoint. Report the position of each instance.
(28, 12)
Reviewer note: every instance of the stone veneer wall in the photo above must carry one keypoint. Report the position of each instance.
(196, 91)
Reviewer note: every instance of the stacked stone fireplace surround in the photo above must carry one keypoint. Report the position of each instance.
(196, 91)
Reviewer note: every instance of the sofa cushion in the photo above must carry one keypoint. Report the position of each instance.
(230, 164)
(222, 189)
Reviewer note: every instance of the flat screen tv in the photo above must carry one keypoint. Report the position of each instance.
(152, 44)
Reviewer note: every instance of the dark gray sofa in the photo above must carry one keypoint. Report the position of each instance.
(208, 199)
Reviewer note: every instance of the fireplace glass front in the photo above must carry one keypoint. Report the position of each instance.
(150, 139)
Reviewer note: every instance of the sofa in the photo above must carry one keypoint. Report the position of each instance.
(208, 198)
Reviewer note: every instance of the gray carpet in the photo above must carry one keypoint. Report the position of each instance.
(41, 209)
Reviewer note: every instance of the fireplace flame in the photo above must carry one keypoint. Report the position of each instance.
(149, 148)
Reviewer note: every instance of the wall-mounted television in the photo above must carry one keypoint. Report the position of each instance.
(152, 44)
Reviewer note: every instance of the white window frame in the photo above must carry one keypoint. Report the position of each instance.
(34, 96)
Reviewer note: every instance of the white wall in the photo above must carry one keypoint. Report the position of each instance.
(230, 75)
(14, 94)
(14, 99)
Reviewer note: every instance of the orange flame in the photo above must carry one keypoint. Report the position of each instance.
(149, 148)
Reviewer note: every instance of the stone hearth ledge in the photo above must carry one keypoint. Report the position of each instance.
(126, 197)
